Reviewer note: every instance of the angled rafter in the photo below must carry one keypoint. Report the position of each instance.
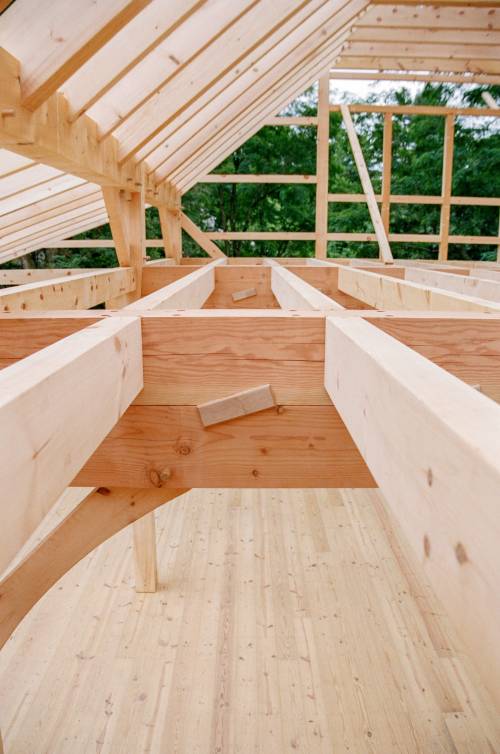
(52, 46)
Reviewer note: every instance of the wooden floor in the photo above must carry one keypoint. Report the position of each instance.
(286, 621)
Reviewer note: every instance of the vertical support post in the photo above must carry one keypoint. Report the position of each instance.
(444, 228)
(171, 230)
(322, 165)
(127, 220)
(386, 172)
(498, 247)
(144, 530)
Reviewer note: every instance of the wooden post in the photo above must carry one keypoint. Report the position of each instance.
(127, 220)
(322, 166)
(171, 230)
(145, 553)
(498, 247)
(386, 171)
(444, 228)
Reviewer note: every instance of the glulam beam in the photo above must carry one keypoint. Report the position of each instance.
(294, 293)
(56, 407)
(432, 444)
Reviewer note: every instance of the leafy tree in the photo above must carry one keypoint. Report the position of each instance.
(417, 168)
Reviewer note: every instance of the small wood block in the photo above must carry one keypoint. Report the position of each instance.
(238, 404)
(240, 295)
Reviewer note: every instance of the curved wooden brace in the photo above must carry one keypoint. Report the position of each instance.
(95, 519)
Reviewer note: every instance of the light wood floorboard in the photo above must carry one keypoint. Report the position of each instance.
(286, 620)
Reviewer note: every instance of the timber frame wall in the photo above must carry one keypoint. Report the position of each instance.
(225, 372)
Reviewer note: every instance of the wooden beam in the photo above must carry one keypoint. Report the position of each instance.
(389, 293)
(294, 293)
(23, 276)
(53, 48)
(238, 404)
(438, 110)
(388, 75)
(55, 409)
(127, 222)
(322, 166)
(100, 515)
(405, 413)
(255, 178)
(190, 292)
(385, 210)
(200, 237)
(46, 136)
(80, 291)
(171, 230)
(145, 560)
(385, 253)
(292, 120)
(464, 284)
(446, 186)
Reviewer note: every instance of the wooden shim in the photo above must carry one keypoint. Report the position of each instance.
(433, 446)
(97, 517)
(241, 295)
(56, 407)
(235, 405)
(389, 293)
(190, 292)
(69, 292)
(201, 238)
(378, 225)
(464, 284)
(294, 293)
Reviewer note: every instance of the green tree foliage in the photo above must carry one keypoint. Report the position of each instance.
(417, 167)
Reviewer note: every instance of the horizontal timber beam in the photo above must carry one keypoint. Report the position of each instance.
(256, 178)
(443, 438)
(21, 277)
(56, 407)
(294, 293)
(69, 292)
(473, 112)
(189, 292)
(464, 284)
(47, 136)
(389, 293)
